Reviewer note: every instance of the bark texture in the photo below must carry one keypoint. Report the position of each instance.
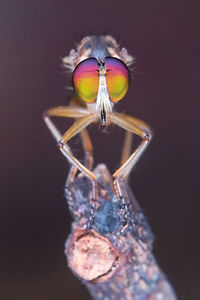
(114, 257)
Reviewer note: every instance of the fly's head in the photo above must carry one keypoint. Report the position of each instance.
(100, 73)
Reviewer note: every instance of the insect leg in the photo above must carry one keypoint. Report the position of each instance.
(88, 148)
(76, 112)
(135, 126)
(140, 128)
(76, 128)
(69, 112)
(66, 112)
(126, 149)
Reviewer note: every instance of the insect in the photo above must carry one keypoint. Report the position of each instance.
(101, 78)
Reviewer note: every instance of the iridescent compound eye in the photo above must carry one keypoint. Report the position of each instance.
(117, 78)
(86, 80)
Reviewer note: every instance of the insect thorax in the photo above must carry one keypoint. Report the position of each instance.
(99, 47)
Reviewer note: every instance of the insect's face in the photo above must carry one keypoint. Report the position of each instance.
(104, 82)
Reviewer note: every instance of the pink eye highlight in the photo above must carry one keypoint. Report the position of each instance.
(117, 78)
(86, 80)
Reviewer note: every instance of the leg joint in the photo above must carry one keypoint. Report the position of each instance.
(148, 136)
(60, 145)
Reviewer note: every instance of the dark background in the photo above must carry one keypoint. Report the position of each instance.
(34, 219)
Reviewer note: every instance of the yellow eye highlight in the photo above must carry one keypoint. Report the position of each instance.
(86, 80)
(117, 78)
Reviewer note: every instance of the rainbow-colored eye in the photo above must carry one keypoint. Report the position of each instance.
(117, 78)
(86, 80)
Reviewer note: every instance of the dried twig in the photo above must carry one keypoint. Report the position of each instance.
(114, 257)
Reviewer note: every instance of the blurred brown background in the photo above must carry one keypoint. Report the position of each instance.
(34, 218)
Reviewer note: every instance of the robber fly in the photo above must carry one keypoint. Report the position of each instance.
(101, 78)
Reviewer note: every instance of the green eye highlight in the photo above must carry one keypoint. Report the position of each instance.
(117, 78)
(86, 80)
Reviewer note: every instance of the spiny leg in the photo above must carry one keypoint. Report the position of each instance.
(71, 112)
(88, 148)
(126, 149)
(140, 128)
(74, 112)
(68, 184)
(135, 126)
(76, 128)
(66, 112)
(73, 169)
(126, 152)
